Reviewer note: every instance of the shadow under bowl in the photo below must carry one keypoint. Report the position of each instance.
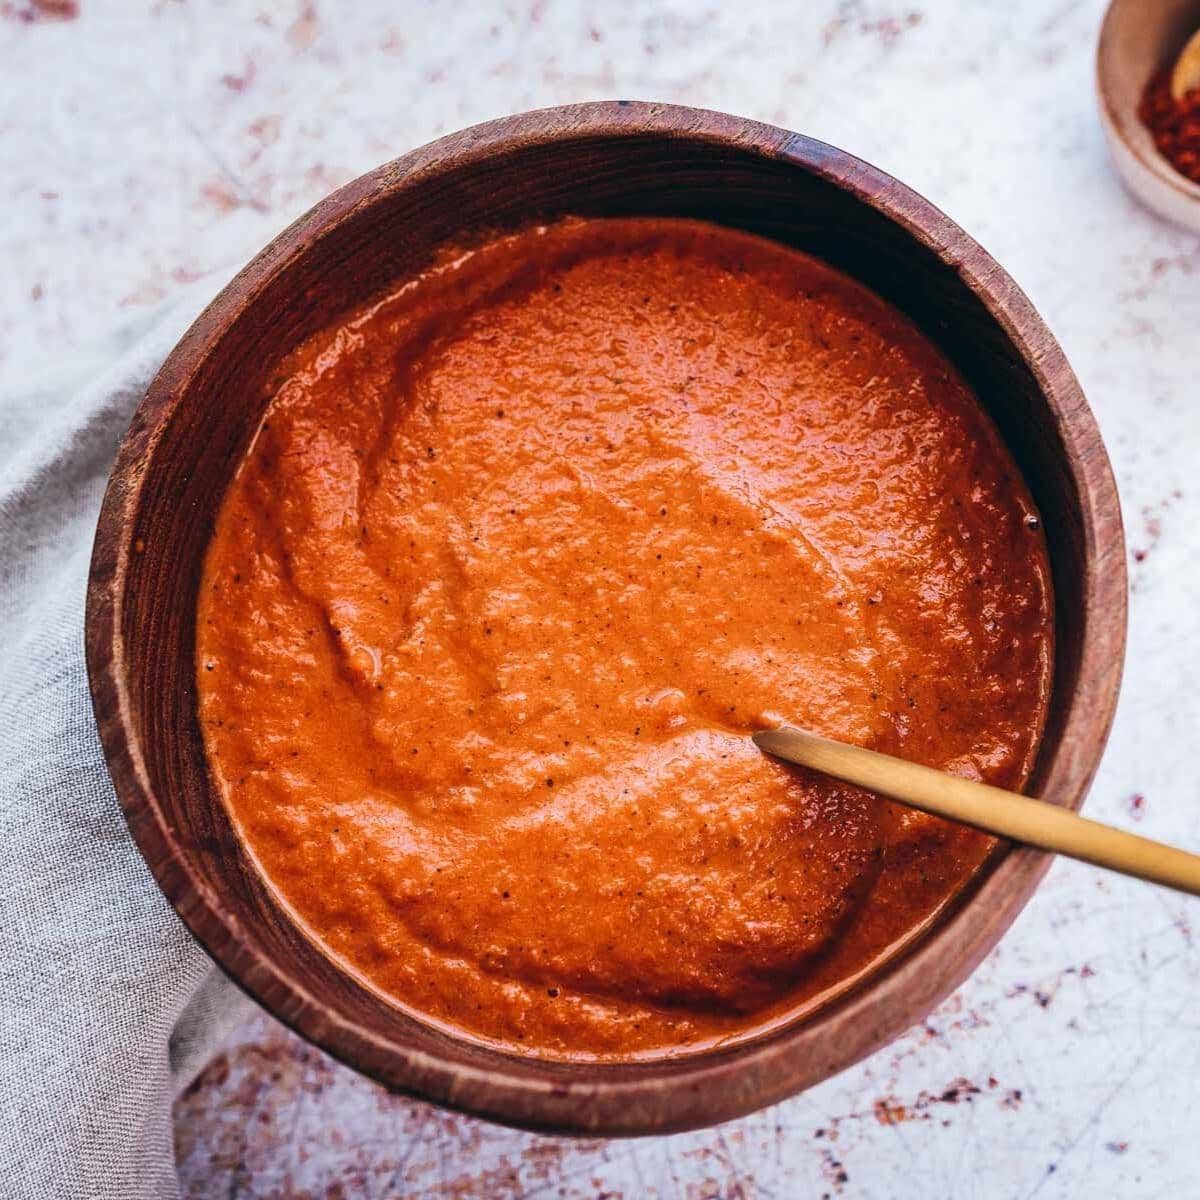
(202, 409)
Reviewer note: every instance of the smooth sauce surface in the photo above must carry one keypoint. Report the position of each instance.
(518, 559)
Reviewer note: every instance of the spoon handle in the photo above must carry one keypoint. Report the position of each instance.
(1021, 818)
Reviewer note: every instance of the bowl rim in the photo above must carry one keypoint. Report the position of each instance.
(1122, 124)
(704, 1088)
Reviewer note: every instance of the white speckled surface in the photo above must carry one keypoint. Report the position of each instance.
(143, 145)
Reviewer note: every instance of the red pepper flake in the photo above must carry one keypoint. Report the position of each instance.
(1174, 124)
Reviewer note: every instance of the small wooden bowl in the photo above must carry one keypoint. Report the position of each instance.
(205, 404)
(1137, 38)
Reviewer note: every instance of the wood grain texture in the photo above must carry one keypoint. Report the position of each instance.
(203, 407)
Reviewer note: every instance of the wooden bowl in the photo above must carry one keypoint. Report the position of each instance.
(205, 404)
(1136, 39)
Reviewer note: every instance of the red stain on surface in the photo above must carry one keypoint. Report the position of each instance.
(41, 10)
(245, 1127)
(1152, 525)
(303, 30)
(219, 195)
(1044, 994)
(1137, 806)
(888, 1112)
(887, 30)
(265, 129)
(1185, 264)
(241, 81)
(834, 1170)
(1161, 269)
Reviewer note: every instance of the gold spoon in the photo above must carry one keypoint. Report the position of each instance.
(1186, 75)
(1034, 822)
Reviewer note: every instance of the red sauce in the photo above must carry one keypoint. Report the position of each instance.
(519, 558)
(1174, 124)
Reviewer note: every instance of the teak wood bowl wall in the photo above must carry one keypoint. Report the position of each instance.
(203, 407)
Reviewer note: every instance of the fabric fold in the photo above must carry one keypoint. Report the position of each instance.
(107, 1004)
